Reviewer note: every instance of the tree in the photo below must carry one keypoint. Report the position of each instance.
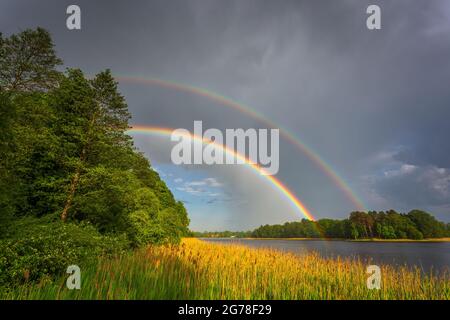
(28, 61)
(7, 114)
(388, 232)
(65, 151)
(100, 118)
(76, 125)
(27, 65)
(427, 224)
(363, 222)
(354, 231)
(389, 225)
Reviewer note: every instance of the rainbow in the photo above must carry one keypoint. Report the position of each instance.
(161, 131)
(285, 133)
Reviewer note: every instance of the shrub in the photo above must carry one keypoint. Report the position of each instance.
(144, 230)
(40, 248)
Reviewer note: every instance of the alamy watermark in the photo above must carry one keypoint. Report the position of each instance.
(254, 146)
(74, 280)
(73, 21)
(374, 280)
(373, 21)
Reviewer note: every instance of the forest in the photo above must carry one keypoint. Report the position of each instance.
(72, 185)
(415, 225)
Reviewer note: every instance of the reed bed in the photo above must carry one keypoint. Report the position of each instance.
(200, 270)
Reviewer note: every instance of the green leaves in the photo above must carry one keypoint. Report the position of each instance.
(42, 247)
(64, 152)
(28, 62)
(361, 225)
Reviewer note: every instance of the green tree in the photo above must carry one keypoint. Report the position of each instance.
(100, 118)
(354, 231)
(28, 61)
(427, 224)
(65, 151)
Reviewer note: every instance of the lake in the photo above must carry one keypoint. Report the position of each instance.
(426, 255)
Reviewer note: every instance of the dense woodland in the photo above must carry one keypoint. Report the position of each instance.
(415, 225)
(72, 186)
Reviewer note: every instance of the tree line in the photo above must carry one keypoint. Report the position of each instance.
(416, 224)
(66, 162)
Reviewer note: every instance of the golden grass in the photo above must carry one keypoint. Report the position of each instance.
(201, 270)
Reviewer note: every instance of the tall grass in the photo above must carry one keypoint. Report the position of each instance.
(202, 270)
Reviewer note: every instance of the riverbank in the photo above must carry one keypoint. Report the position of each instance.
(202, 270)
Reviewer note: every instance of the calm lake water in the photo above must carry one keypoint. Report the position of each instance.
(426, 255)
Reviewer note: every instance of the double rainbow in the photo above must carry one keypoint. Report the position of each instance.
(285, 133)
(167, 132)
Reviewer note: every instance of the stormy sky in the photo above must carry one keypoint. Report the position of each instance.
(375, 105)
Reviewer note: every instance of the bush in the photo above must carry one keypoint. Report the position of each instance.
(144, 230)
(40, 248)
(413, 233)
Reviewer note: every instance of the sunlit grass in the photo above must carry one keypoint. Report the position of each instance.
(202, 270)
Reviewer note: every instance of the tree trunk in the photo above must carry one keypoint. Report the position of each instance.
(73, 188)
(76, 177)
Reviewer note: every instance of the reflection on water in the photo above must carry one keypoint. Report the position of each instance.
(426, 255)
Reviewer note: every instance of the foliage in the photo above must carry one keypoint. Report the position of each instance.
(361, 225)
(28, 61)
(65, 148)
(142, 229)
(41, 247)
(427, 224)
(64, 152)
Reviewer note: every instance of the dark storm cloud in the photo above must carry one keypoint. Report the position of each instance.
(411, 186)
(312, 66)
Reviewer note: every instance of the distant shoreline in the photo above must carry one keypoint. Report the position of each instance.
(340, 239)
